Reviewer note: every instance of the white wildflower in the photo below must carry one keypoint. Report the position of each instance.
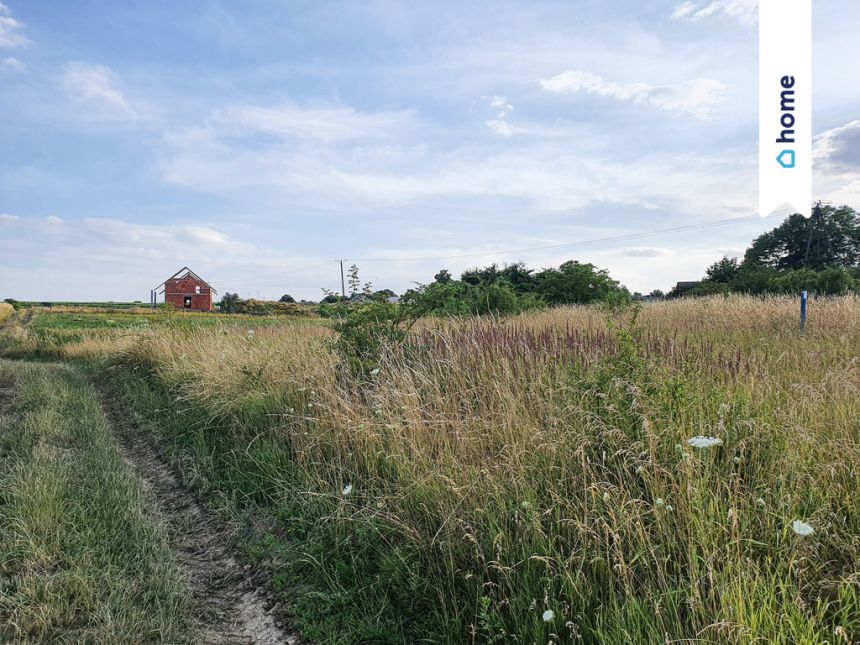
(802, 528)
(548, 615)
(704, 442)
(606, 497)
(760, 501)
(660, 501)
(374, 371)
(669, 507)
(526, 505)
(347, 490)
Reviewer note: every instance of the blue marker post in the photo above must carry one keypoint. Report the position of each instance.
(803, 298)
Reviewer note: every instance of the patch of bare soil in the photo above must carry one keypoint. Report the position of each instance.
(233, 604)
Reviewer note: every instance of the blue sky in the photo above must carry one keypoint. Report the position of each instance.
(259, 141)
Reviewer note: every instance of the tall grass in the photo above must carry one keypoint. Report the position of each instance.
(530, 480)
(82, 561)
(6, 311)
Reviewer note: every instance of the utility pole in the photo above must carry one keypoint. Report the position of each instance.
(342, 283)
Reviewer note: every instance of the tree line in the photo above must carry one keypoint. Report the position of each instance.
(821, 255)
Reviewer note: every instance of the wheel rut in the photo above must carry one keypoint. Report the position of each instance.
(232, 605)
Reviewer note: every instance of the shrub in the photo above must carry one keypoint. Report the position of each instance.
(6, 311)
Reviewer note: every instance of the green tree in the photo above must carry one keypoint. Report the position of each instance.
(230, 303)
(836, 243)
(383, 294)
(518, 276)
(723, 271)
(443, 277)
(577, 283)
(286, 298)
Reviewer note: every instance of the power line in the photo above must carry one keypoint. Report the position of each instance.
(580, 243)
(600, 240)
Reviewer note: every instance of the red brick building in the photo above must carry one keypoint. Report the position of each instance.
(185, 290)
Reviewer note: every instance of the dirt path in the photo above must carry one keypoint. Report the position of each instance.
(232, 607)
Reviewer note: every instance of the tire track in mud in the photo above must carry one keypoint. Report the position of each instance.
(232, 606)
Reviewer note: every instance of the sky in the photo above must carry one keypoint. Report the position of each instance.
(258, 142)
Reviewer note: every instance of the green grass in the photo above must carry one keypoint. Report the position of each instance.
(99, 305)
(81, 559)
(502, 468)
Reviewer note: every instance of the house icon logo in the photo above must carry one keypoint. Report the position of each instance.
(786, 159)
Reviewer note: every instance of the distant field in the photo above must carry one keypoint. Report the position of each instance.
(687, 473)
(98, 305)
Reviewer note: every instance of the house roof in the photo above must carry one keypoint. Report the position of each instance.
(183, 272)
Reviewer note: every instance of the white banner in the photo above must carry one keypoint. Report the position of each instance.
(785, 106)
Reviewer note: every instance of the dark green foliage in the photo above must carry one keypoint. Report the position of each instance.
(230, 303)
(286, 298)
(382, 294)
(777, 261)
(837, 245)
(577, 283)
(462, 298)
(443, 277)
(515, 287)
(723, 271)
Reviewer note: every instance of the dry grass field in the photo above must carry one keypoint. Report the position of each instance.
(684, 473)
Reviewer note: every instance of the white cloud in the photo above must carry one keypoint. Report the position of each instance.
(130, 258)
(698, 97)
(744, 11)
(326, 123)
(10, 29)
(11, 64)
(501, 109)
(544, 174)
(836, 163)
(646, 252)
(838, 150)
(97, 87)
(500, 127)
(501, 105)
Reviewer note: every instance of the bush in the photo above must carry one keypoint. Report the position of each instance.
(463, 298)
(6, 311)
